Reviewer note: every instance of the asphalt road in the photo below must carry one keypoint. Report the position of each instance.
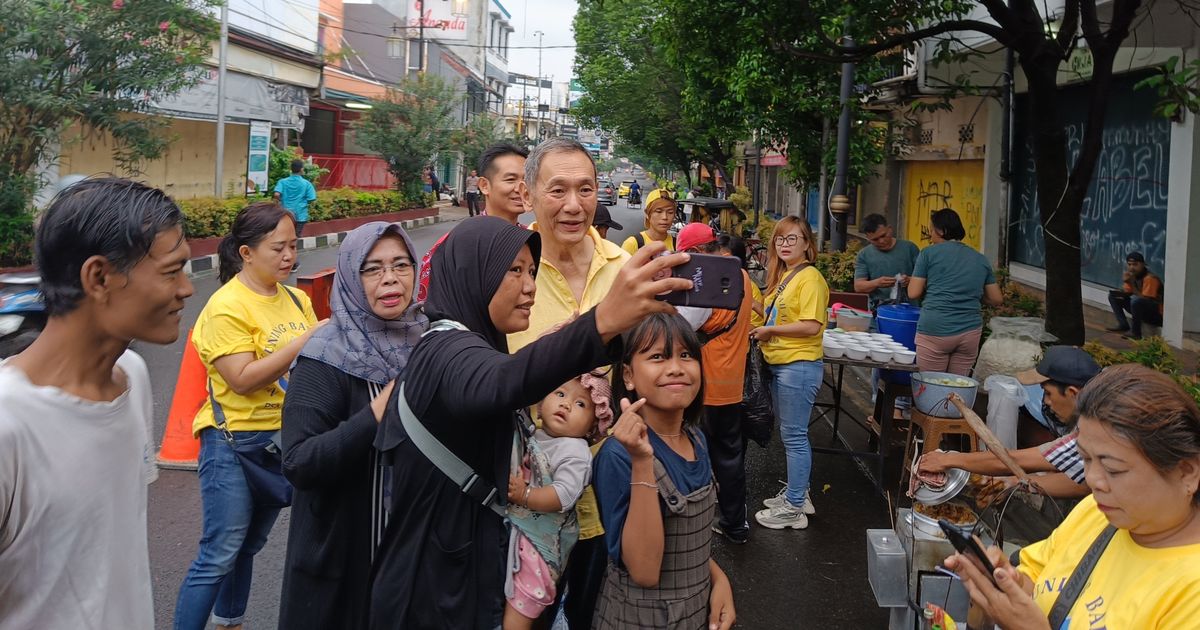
(814, 578)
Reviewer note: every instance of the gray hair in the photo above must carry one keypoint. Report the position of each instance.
(557, 144)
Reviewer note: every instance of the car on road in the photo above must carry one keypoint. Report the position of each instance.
(624, 190)
(607, 193)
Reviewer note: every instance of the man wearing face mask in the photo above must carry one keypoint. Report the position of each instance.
(1062, 372)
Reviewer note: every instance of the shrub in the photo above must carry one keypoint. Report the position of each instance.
(16, 240)
(1152, 352)
(838, 267)
(1017, 301)
(210, 216)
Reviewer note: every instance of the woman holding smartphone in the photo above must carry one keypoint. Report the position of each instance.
(797, 298)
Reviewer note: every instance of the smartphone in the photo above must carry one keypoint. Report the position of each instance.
(716, 282)
(965, 543)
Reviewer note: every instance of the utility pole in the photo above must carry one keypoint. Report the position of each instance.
(221, 58)
(421, 37)
(839, 204)
(540, 35)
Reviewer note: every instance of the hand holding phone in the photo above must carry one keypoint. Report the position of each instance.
(716, 282)
(968, 545)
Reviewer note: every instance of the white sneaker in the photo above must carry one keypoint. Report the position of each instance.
(780, 500)
(781, 518)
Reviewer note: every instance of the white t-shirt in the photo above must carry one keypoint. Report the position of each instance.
(570, 465)
(73, 476)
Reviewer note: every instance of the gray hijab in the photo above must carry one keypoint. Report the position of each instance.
(356, 340)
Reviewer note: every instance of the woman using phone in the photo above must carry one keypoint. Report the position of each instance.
(1139, 435)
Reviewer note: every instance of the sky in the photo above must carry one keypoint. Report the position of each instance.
(553, 17)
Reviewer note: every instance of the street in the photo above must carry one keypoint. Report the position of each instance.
(782, 579)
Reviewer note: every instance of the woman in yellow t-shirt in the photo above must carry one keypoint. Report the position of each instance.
(797, 298)
(660, 212)
(1139, 436)
(247, 336)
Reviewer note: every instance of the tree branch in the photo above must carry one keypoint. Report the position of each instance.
(847, 54)
(1070, 23)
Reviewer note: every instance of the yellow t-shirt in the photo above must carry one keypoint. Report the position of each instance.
(237, 320)
(1131, 586)
(630, 245)
(806, 297)
(554, 305)
(756, 320)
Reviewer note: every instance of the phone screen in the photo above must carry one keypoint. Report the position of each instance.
(966, 544)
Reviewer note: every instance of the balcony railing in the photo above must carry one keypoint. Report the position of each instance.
(356, 171)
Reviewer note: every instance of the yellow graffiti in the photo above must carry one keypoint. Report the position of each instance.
(931, 186)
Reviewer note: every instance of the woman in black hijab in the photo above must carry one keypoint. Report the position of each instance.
(441, 562)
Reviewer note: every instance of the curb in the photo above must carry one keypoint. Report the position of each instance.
(203, 265)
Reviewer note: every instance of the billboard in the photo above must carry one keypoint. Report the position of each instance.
(444, 20)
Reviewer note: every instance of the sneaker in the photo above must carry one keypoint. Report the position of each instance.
(1117, 328)
(780, 500)
(737, 538)
(781, 518)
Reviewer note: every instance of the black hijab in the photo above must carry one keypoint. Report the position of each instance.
(466, 271)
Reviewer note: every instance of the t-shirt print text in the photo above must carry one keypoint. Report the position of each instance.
(276, 334)
(1096, 610)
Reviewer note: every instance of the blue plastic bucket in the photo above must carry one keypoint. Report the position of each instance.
(899, 321)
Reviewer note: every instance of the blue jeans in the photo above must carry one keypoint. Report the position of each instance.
(794, 388)
(234, 529)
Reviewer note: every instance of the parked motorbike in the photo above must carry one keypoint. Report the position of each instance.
(634, 199)
(22, 311)
(447, 193)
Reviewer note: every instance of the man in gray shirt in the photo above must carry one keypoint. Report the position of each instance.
(875, 271)
(473, 193)
(879, 263)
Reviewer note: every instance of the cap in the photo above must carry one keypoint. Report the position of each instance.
(1135, 257)
(603, 218)
(1063, 364)
(694, 234)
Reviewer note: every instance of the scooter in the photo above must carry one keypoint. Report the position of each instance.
(634, 199)
(22, 311)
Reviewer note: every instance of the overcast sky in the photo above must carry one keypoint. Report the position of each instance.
(553, 17)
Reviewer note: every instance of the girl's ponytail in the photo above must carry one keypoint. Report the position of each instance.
(251, 226)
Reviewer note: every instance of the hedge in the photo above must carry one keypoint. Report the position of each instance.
(210, 216)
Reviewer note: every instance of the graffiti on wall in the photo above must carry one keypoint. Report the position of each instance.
(931, 186)
(1126, 206)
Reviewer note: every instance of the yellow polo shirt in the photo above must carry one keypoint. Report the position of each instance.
(554, 305)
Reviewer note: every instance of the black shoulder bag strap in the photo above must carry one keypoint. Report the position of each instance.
(782, 286)
(1079, 577)
(295, 300)
(637, 238)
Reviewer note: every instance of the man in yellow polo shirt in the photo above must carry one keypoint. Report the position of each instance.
(576, 271)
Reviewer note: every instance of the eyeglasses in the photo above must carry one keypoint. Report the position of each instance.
(402, 268)
(790, 239)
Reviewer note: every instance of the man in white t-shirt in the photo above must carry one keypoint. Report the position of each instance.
(75, 411)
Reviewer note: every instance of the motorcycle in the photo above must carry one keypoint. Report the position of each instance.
(22, 311)
(634, 199)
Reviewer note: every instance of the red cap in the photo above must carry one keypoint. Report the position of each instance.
(694, 234)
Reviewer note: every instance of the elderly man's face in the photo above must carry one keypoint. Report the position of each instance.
(564, 196)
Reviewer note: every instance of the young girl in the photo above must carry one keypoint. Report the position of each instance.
(542, 509)
(655, 489)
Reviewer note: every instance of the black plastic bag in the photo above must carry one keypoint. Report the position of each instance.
(758, 412)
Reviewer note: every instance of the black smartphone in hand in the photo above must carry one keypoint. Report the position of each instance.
(964, 543)
(716, 282)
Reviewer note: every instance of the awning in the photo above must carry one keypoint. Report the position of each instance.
(246, 98)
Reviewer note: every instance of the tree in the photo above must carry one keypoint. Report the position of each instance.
(811, 32)
(633, 90)
(410, 126)
(97, 64)
(475, 137)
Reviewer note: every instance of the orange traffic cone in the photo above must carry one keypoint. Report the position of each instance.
(179, 449)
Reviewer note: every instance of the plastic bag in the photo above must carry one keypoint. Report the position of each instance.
(758, 412)
(1015, 345)
(1006, 395)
